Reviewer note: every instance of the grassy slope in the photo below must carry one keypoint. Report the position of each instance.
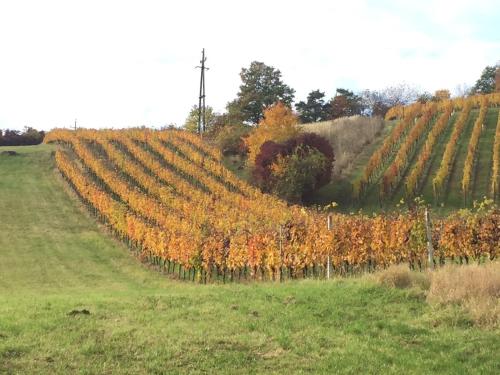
(340, 189)
(400, 191)
(482, 176)
(54, 258)
(454, 195)
(437, 156)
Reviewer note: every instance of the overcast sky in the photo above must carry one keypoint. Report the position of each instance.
(128, 63)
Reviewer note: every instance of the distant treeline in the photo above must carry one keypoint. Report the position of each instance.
(28, 136)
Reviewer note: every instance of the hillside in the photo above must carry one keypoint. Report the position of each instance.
(56, 262)
(411, 155)
(167, 196)
(349, 137)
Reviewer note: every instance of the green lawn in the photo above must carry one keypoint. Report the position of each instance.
(55, 259)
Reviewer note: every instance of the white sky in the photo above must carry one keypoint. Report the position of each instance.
(129, 63)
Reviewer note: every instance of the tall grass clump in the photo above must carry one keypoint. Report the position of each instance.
(474, 287)
(348, 136)
(400, 276)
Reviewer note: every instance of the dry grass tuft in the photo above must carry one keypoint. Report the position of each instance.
(401, 277)
(474, 287)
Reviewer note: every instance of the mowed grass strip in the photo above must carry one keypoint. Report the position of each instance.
(57, 264)
(454, 196)
(484, 158)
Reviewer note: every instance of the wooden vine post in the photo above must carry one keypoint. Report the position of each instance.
(428, 231)
(281, 250)
(329, 223)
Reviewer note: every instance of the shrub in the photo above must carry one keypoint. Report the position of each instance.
(294, 176)
(295, 168)
(229, 139)
(320, 144)
(269, 152)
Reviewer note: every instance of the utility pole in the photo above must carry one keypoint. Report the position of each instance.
(75, 124)
(202, 118)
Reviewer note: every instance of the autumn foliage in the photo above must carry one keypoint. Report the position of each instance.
(276, 162)
(167, 195)
(405, 156)
(279, 124)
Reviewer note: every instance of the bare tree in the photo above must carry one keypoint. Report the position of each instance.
(462, 90)
(400, 94)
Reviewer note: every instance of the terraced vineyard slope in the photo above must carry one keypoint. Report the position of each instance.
(441, 151)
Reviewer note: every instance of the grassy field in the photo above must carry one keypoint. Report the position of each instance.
(55, 261)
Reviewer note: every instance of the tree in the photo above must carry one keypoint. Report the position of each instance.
(191, 123)
(425, 97)
(462, 90)
(345, 103)
(261, 87)
(401, 94)
(442, 95)
(497, 80)
(486, 83)
(279, 124)
(29, 136)
(314, 109)
(373, 103)
(377, 103)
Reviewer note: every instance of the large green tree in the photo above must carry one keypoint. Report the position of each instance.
(261, 87)
(314, 109)
(486, 83)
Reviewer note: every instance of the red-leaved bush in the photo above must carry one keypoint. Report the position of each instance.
(270, 151)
